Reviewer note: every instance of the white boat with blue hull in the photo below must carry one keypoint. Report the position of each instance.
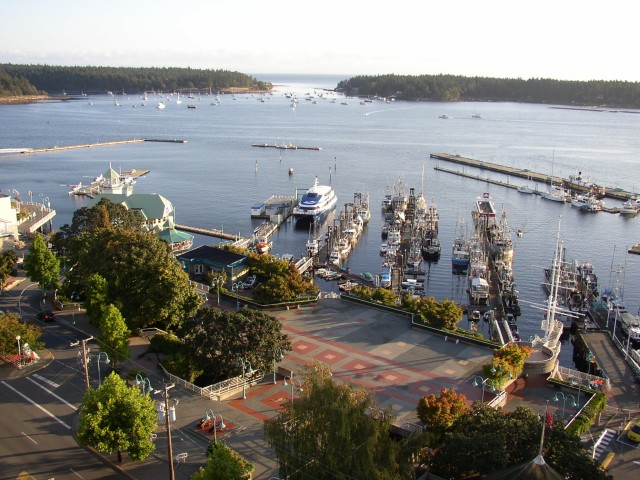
(316, 204)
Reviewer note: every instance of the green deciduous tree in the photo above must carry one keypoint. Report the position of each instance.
(117, 418)
(145, 281)
(41, 265)
(486, 440)
(217, 340)
(439, 413)
(114, 335)
(224, 464)
(337, 431)
(8, 262)
(95, 291)
(11, 326)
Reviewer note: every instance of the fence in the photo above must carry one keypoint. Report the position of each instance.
(580, 379)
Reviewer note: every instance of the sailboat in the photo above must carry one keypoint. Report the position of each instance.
(178, 101)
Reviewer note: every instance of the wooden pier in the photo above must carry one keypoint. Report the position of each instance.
(609, 192)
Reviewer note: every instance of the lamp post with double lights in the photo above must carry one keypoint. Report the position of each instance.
(216, 282)
(144, 383)
(483, 382)
(106, 360)
(236, 287)
(564, 400)
(210, 415)
(300, 389)
(277, 356)
(246, 367)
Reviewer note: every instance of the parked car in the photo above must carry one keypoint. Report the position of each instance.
(250, 282)
(46, 316)
(633, 433)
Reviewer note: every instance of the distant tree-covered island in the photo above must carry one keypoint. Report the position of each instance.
(33, 81)
(455, 88)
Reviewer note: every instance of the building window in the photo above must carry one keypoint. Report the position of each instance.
(197, 269)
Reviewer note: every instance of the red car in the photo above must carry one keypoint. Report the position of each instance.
(46, 316)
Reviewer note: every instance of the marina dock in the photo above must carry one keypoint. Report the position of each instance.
(285, 146)
(94, 188)
(209, 232)
(56, 148)
(609, 192)
(505, 184)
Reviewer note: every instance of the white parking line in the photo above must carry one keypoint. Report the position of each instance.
(29, 437)
(37, 405)
(53, 394)
(46, 380)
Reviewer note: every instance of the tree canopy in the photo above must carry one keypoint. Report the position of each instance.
(337, 431)
(439, 413)
(11, 326)
(25, 79)
(114, 335)
(460, 88)
(117, 418)
(41, 264)
(143, 279)
(223, 464)
(486, 440)
(218, 340)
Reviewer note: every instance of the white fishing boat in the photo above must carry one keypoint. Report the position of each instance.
(460, 253)
(316, 204)
(630, 207)
(525, 189)
(555, 193)
(485, 207)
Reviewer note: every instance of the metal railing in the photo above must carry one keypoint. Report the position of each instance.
(580, 378)
(230, 386)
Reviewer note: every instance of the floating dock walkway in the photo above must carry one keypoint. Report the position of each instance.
(287, 146)
(609, 192)
(88, 145)
(209, 232)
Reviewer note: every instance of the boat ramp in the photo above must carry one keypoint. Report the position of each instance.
(608, 191)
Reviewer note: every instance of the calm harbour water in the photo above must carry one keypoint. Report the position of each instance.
(214, 178)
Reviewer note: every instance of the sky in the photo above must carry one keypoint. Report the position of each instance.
(561, 39)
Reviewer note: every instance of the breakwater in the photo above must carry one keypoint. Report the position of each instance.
(608, 191)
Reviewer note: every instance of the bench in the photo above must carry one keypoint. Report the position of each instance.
(182, 457)
(285, 372)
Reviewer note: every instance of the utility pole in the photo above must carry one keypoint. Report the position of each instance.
(167, 415)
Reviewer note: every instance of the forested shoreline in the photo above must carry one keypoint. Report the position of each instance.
(33, 80)
(476, 89)
(53, 80)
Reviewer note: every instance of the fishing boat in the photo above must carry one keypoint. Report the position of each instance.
(431, 247)
(525, 189)
(460, 253)
(485, 207)
(631, 207)
(555, 193)
(263, 245)
(316, 204)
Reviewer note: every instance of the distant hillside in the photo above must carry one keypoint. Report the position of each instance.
(56, 79)
(458, 88)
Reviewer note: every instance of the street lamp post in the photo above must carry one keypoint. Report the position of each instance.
(292, 385)
(145, 384)
(209, 415)
(106, 360)
(278, 356)
(19, 352)
(590, 357)
(235, 288)
(483, 382)
(20, 298)
(564, 400)
(245, 363)
(216, 283)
